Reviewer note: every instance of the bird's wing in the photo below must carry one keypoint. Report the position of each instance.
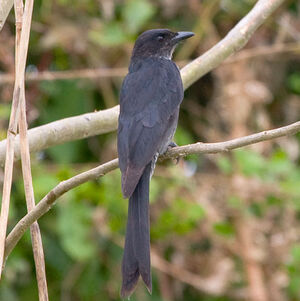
(149, 98)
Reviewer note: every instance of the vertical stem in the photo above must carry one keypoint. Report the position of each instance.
(11, 133)
(256, 285)
(36, 238)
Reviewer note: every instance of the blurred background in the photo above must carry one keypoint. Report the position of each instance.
(223, 227)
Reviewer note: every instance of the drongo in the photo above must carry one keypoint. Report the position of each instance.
(150, 97)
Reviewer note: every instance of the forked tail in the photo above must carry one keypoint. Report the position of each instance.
(136, 258)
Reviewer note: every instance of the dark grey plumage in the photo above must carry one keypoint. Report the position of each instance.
(149, 106)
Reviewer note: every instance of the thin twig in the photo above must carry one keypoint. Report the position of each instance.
(70, 74)
(13, 122)
(217, 147)
(274, 49)
(214, 285)
(198, 148)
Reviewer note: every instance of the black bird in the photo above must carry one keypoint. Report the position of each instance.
(150, 97)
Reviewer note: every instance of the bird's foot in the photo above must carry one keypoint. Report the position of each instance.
(171, 145)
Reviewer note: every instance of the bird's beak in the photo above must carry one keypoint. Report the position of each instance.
(182, 35)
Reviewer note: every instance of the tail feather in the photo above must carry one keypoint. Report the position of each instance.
(136, 258)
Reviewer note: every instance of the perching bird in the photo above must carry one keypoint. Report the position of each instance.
(150, 97)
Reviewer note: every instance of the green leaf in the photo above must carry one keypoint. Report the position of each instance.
(296, 254)
(65, 153)
(293, 82)
(74, 225)
(279, 164)
(42, 183)
(136, 13)
(4, 111)
(250, 163)
(182, 217)
(183, 137)
(111, 34)
(224, 229)
(235, 202)
(224, 164)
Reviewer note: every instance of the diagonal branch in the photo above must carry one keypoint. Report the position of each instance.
(217, 147)
(47, 202)
(205, 148)
(79, 127)
(234, 41)
(67, 129)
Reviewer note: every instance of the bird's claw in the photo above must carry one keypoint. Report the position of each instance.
(171, 145)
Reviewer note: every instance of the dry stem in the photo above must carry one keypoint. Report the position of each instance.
(37, 245)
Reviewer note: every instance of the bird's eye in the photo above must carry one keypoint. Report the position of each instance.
(160, 38)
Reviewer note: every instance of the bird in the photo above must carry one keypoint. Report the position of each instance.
(150, 97)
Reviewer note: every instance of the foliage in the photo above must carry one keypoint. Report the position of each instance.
(196, 205)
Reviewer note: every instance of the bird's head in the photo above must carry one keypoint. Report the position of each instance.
(158, 43)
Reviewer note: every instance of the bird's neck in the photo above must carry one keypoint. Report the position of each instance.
(137, 62)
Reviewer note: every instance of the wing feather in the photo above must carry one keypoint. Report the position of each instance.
(149, 98)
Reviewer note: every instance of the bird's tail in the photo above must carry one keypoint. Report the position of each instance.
(136, 258)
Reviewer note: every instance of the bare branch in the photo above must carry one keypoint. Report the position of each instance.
(250, 53)
(274, 49)
(65, 130)
(70, 74)
(70, 129)
(46, 203)
(217, 147)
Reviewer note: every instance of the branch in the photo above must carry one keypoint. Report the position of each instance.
(47, 202)
(70, 74)
(64, 130)
(274, 49)
(234, 41)
(68, 129)
(266, 50)
(218, 147)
